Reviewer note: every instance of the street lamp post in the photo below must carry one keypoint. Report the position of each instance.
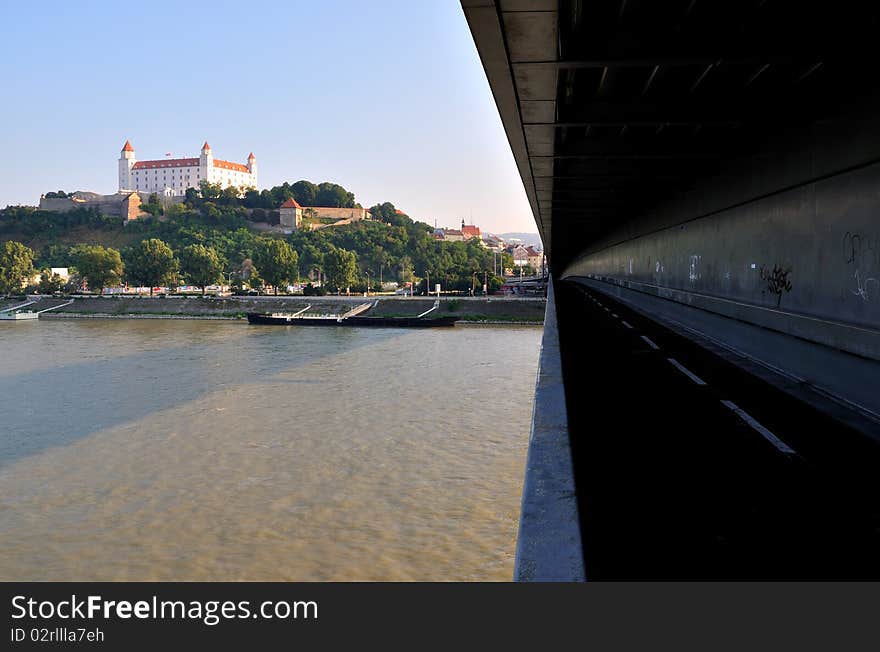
(368, 282)
(428, 283)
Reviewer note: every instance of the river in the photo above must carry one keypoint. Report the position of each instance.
(204, 450)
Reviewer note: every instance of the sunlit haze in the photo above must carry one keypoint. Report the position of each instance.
(386, 98)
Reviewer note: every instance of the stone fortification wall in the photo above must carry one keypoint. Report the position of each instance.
(353, 214)
(125, 205)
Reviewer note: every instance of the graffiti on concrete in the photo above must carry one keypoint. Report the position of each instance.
(693, 273)
(859, 249)
(866, 289)
(777, 281)
(861, 253)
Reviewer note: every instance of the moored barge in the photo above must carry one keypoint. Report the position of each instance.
(351, 318)
(280, 319)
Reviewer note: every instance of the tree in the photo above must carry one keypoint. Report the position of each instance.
(380, 258)
(387, 213)
(192, 196)
(305, 192)
(151, 262)
(340, 268)
(251, 198)
(311, 258)
(98, 266)
(201, 265)
(277, 262)
(267, 201)
(406, 269)
(50, 283)
(311, 291)
(16, 266)
(333, 195)
(495, 283)
(209, 191)
(230, 195)
(175, 211)
(153, 206)
(250, 274)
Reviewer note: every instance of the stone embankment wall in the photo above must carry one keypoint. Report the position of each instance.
(495, 309)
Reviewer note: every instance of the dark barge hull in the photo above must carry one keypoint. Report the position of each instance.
(381, 322)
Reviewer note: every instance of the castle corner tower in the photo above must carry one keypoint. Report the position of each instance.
(206, 162)
(252, 167)
(127, 160)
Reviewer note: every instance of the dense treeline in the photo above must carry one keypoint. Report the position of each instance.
(305, 192)
(31, 222)
(213, 232)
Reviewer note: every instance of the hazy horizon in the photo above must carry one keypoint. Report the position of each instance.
(389, 100)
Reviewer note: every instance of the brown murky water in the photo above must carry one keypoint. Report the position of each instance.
(186, 450)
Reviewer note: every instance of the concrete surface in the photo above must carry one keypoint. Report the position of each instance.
(549, 547)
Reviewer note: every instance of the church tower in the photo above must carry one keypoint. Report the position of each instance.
(126, 162)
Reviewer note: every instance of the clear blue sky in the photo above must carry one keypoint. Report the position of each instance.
(386, 97)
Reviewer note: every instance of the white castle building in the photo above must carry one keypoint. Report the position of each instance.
(172, 176)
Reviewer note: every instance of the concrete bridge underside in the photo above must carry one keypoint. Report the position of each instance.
(708, 173)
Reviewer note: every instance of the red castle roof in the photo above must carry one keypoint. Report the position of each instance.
(229, 165)
(166, 163)
(127, 147)
(291, 203)
(185, 163)
(206, 145)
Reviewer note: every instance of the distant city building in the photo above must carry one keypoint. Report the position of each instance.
(171, 177)
(469, 231)
(535, 258)
(520, 255)
(530, 256)
(493, 242)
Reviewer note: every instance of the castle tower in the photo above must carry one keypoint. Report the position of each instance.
(127, 160)
(206, 163)
(252, 167)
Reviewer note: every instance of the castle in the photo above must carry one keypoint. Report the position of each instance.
(172, 176)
